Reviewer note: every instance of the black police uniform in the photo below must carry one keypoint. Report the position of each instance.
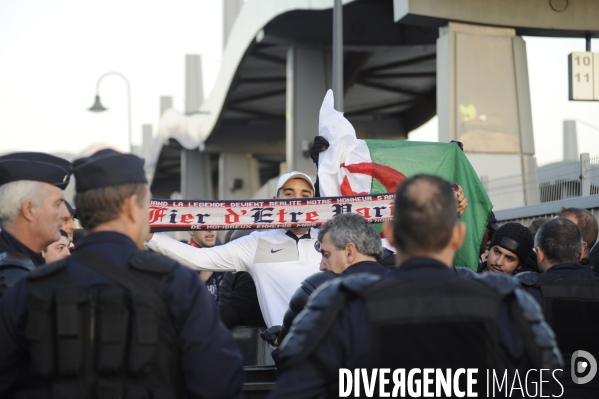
(298, 301)
(10, 245)
(210, 363)
(569, 296)
(300, 297)
(366, 266)
(17, 260)
(340, 331)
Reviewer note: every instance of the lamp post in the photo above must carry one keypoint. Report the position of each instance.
(338, 55)
(98, 107)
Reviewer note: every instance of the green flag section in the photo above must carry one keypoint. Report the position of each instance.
(351, 167)
(445, 160)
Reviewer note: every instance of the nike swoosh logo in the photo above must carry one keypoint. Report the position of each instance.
(272, 251)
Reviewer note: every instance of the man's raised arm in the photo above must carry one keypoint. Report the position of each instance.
(237, 255)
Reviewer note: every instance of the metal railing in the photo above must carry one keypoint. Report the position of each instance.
(556, 182)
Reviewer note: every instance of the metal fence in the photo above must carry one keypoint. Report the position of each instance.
(555, 182)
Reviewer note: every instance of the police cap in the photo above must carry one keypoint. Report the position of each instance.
(72, 211)
(107, 168)
(35, 166)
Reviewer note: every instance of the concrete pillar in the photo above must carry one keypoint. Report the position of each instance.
(530, 180)
(146, 142)
(166, 102)
(585, 174)
(194, 83)
(483, 100)
(306, 86)
(570, 141)
(238, 176)
(231, 9)
(196, 175)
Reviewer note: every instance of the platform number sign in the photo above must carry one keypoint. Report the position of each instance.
(583, 71)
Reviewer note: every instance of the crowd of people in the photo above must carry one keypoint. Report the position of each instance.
(122, 312)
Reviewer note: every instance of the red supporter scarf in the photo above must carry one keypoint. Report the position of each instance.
(178, 215)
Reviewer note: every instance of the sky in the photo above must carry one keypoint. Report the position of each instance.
(52, 53)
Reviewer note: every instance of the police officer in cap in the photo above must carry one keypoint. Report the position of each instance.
(569, 294)
(112, 321)
(422, 315)
(31, 211)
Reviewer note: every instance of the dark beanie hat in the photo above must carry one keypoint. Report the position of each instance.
(107, 168)
(515, 238)
(35, 166)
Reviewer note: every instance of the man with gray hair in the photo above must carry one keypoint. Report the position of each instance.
(569, 295)
(31, 211)
(349, 244)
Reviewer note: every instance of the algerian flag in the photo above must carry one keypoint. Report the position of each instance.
(352, 167)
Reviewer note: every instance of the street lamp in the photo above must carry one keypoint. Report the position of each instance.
(98, 107)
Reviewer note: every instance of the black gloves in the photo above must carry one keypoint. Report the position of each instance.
(320, 144)
(271, 334)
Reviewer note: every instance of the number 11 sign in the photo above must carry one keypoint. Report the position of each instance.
(583, 69)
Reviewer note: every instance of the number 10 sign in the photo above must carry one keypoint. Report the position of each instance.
(583, 71)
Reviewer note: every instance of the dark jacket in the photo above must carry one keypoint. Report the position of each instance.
(568, 270)
(367, 267)
(210, 361)
(238, 304)
(16, 261)
(346, 343)
(8, 243)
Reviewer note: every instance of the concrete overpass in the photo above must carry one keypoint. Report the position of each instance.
(404, 62)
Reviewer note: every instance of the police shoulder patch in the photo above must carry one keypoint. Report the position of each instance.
(150, 262)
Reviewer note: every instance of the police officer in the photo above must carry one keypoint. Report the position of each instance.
(422, 315)
(589, 229)
(112, 321)
(31, 211)
(569, 295)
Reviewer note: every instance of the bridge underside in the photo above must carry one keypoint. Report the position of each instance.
(389, 77)
(389, 82)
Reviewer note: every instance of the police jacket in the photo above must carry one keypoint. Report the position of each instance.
(366, 267)
(210, 363)
(530, 281)
(16, 261)
(300, 298)
(319, 344)
(569, 296)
